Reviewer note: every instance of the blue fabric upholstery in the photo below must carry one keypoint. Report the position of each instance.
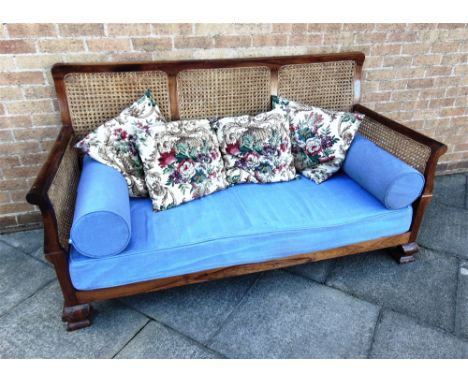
(102, 223)
(247, 223)
(392, 181)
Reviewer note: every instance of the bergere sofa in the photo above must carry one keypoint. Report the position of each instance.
(244, 229)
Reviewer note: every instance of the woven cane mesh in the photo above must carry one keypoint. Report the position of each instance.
(62, 192)
(408, 150)
(94, 98)
(324, 84)
(204, 93)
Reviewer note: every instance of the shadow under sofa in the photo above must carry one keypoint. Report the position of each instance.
(246, 228)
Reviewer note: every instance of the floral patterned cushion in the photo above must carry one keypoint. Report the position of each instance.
(256, 149)
(181, 161)
(320, 138)
(113, 143)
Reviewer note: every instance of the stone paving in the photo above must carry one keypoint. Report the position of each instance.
(363, 306)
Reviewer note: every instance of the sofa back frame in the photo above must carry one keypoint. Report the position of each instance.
(173, 68)
(58, 170)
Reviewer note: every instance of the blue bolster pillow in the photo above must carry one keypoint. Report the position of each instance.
(395, 183)
(101, 224)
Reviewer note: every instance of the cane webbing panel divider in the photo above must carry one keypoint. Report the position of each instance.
(62, 191)
(325, 84)
(94, 98)
(204, 93)
(408, 150)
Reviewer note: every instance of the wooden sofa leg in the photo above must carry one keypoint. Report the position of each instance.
(77, 316)
(404, 253)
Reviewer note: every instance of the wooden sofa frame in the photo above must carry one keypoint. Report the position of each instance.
(333, 81)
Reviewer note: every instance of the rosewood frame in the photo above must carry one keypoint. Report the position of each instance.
(77, 311)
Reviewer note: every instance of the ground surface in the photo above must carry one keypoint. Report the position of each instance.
(356, 307)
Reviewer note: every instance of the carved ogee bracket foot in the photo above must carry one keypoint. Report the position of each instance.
(77, 316)
(403, 254)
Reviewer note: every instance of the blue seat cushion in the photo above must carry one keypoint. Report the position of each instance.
(248, 223)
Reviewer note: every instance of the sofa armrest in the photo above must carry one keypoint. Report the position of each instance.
(412, 147)
(54, 191)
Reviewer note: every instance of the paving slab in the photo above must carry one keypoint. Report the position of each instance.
(399, 336)
(461, 324)
(287, 316)
(445, 229)
(425, 289)
(450, 190)
(156, 341)
(38, 254)
(318, 271)
(34, 329)
(196, 310)
(20, 276)
(26, 241)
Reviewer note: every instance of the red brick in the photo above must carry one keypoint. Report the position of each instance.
(31, 30)
(30, 106)
(172, 29)
(438, 71)
(252, 28)
(385, 49)
(61, 46)
(453, 112)
(35, 133)
(7, 221)
(305, 39)
(77, 30)
(16, 46)
(290, 28)
(31, 92)
(232, 41)
(358, 27)
(442, 102)
(194, 42)
(270, 40)
(15, 207)
(416, 48)
(20, 172)
(108, 45)
(152, 44)
(31, 159)
(6, 136)
(370, 38)
(404, 37)
(445, 47)
(9, 122)
(128, 30)
(9, 161)
(324, 27)
(31, 218)
(420, 83)
(19, 148)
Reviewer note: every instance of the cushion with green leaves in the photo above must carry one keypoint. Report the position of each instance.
(114, 142)
(181, 161)
(320, 138)
(256, 149)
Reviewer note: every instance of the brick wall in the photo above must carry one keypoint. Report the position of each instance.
(414, 73)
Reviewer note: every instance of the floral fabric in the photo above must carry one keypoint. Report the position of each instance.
(114, 142)
(256, 149)
(320, 138)
(181, 161)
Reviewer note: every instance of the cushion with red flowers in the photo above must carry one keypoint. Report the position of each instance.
(181, 161)
(256, 149)
(320, 138)
(113, 143)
